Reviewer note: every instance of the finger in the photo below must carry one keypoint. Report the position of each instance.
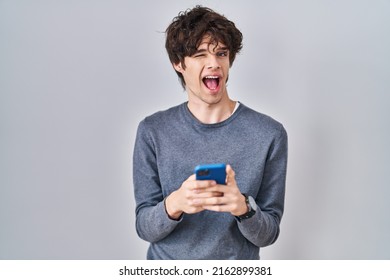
(203, 184)
(215, 200)
(208, 201)
(197, 185)
(217, 208)
(230, 175)
(191, 178)
(189, 182)
(218, 189)
(206, 194)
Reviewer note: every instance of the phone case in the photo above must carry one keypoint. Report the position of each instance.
(216, 172)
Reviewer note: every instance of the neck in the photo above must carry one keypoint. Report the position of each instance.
(212, 113)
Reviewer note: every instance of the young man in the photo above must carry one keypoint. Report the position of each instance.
(185, 218)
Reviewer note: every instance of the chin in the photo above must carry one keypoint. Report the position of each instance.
(213, 99)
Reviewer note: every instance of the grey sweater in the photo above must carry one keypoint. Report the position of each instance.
(169, 144)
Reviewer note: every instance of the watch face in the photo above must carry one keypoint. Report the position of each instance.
(252, 203)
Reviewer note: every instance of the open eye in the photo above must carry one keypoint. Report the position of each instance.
(222, 54)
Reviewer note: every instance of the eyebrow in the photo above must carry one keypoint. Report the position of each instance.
(200, 51)
(216, 49)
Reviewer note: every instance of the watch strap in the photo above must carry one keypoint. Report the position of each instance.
(250, 212)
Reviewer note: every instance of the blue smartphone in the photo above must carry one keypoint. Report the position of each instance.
(216, 172)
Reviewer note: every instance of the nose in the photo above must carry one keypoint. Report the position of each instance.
(212, 62)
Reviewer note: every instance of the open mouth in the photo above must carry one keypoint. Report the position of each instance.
(211, 82)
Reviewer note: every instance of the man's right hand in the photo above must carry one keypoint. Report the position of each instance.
(187, 198)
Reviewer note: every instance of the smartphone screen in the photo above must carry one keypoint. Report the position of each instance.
(216, 172)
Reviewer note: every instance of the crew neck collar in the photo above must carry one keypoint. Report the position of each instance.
(191, 118)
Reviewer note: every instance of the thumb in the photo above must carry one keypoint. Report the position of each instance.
(191, 178)
(230, 175)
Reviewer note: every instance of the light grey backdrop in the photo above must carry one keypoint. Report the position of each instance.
(76, 77)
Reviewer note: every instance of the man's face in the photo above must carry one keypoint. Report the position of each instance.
(206, 72)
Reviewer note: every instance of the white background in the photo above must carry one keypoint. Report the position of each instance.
(76, 77)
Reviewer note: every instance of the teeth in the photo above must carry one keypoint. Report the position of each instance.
(211, 77)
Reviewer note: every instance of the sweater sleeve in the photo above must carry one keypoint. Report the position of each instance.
(263, 228)
(152, 221)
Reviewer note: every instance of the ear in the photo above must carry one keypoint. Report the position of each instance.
(178, 67)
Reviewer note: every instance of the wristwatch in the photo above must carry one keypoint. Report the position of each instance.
(252, 206)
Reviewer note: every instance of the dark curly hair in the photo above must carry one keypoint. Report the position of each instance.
(185, 34)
